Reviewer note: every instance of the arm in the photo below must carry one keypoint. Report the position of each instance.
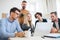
(32, 29)
(54, 30)
(20, 32)
(36, 22)
(4, 31)
(18, 27)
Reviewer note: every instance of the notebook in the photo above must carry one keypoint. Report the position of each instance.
(52, 35)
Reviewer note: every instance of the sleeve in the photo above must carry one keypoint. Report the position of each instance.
(54, 25)
(18, 27)
(32, 29)
(44, 20)
(25, 27)
(4, 31)
(36, 22)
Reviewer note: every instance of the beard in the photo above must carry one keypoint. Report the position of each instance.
(23, 7)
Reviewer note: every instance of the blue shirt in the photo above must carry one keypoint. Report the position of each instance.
(9, 28)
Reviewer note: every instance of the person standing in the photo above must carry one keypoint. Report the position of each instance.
(23, 17)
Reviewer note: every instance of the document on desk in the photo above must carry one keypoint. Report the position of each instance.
(27, 38)
(33, 38)
(53, 35)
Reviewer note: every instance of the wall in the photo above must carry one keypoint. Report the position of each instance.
(43, 6)
(58, 7)
(5, 5)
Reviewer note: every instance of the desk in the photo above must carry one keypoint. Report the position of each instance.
(33, 38)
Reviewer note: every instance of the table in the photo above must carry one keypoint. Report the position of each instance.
(33, 38)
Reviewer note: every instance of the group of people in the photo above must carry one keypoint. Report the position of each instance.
(54, 18)
(20, 21)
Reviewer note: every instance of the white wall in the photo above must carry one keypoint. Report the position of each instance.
(58, 7)
(51, 5)
(43, 6)
(6, 5)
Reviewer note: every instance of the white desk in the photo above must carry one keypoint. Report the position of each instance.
(33, 38)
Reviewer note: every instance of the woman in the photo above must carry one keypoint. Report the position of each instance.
(28, 24)
(38, 16)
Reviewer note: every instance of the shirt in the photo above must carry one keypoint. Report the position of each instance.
(54, 24)
(9, 28)
(23, 19)
(57, 25)
(44, 20)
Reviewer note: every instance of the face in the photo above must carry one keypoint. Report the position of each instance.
(53, 17)
(23, 5)
(15, 14)
(38, 16)
(29, 17)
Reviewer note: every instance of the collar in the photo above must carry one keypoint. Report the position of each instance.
(10, 20)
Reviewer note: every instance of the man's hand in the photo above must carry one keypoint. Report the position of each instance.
(54, 30)
(20, 34)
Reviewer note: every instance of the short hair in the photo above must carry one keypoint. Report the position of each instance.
(38, 14)
(14, 9)
(24, 1)
(54, 13)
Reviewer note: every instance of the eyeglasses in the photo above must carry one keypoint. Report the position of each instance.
(17, 13)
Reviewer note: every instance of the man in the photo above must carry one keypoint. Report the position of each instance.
(56, 22)
(10, 25)
(22, 18)
(38, 15)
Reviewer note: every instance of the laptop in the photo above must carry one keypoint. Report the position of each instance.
(43, 28)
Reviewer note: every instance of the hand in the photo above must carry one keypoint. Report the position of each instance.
(20, 34)
(54, 30)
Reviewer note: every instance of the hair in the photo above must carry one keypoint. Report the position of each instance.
(21, 15)
(54, 13)
(14, 9)
(24, 1)
(38, 14)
